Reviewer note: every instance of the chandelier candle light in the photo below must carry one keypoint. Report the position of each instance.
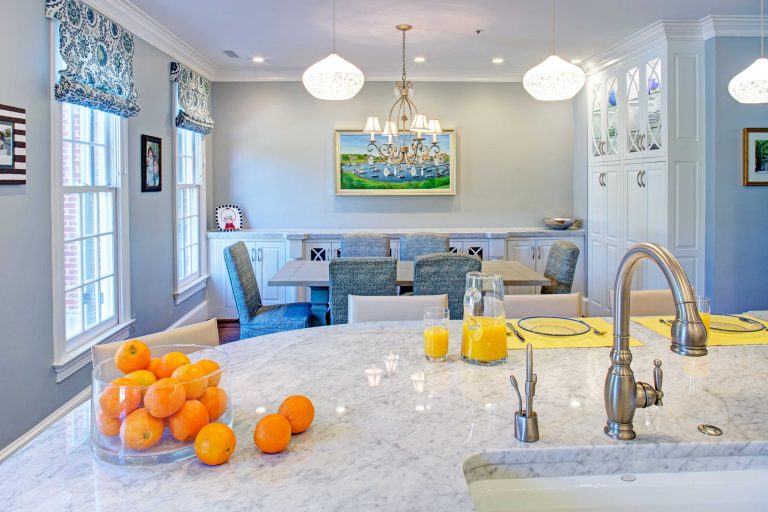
(554, 79)
(751, 85)
(333, 78)
(405, 127)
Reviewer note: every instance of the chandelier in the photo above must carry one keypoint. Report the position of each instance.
(405, 127)
(751, 85)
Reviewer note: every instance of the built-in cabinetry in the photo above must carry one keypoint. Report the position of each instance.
(479, 248)
(646, 159)
(534, 252)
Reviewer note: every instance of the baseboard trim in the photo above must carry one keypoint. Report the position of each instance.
(38, 429)
(197, 314)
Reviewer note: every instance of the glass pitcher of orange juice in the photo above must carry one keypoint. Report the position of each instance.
(484, 338)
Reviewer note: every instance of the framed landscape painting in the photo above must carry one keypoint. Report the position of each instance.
(755, 156)
(363, 172)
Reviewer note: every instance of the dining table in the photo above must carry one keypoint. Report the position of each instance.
(314, 275)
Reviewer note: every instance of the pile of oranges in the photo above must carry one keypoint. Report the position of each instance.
(169, 391)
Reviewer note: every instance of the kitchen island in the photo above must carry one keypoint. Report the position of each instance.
(400, 445)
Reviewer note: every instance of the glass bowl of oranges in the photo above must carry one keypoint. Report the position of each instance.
(149, 403)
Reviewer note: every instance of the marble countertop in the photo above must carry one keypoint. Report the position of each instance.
(391, 447)
(332, 234)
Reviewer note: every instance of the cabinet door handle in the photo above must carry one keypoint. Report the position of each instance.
(539, 252)
(533, 252)
(260, 254)
(253, 254)
(642, 180)
(637, 179)
(602, 179)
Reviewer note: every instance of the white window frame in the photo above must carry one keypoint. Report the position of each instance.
(70, 356)
(190, 285)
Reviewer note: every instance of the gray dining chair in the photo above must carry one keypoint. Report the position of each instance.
(434, 274)
(561, 267)
(257, 319)
(359, 276)
(364, 245)
(418, 244)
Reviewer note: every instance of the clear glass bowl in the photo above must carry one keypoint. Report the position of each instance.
(145, 443)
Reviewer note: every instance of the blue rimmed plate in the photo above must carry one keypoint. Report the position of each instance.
(554, 326)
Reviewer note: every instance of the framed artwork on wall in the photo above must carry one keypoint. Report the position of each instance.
(362, 171)
(151, 164)
(755, 156)
(13, 145)
(229, 218)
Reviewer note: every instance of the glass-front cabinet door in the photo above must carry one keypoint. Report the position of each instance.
(654, 111)
(596, 107)
(634, 114)
(611, 117)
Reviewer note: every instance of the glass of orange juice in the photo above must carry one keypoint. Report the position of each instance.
(704, 305)
(436, 334)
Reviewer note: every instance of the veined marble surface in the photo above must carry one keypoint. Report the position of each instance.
(396, 447)
(335, 234)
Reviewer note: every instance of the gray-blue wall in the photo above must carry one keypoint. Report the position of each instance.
(27, 379)
(736, 232)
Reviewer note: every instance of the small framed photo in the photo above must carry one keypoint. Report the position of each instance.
(229, 218)
(755, 156)
(151, 164)
(6, 145)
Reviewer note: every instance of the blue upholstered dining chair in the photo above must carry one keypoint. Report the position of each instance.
(419, 244)
(364, 245)
(359, 276)
(257, 319)
(561, 267)
(434, 274)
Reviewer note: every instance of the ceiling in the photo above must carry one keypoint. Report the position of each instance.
(292, 34)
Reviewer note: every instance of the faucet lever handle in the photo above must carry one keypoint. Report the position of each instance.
(658, 375)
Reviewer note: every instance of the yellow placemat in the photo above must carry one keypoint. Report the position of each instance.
(588, 340)
(716, 338)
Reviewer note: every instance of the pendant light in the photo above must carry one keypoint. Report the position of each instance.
(333, 78)
(554, 79)
(751, 85)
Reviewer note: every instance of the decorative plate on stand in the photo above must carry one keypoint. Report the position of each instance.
(229, 218)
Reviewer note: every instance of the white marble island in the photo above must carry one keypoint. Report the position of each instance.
(390, 447)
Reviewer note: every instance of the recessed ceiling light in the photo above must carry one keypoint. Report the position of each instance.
(576, 61)
(419, 59)
(258, 60)
(498, 60)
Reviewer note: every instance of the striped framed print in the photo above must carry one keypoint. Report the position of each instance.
(13, 145)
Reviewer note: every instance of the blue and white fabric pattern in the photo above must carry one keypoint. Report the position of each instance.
(193, 98)
(98, 54)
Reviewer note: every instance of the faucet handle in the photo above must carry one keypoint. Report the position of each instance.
(657, 379)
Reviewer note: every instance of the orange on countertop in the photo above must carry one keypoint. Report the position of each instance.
(185, 423)
(209, 367)
(120, 397)
(164, 397)
(215, 400)
(215, 444)
(132, 355)
(169, 362)
(140, 430)
(299, 412)
(193, 378)
(272, 433)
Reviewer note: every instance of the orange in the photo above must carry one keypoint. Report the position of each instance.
(215, 444)
(169, 362)
(153, 365)
(164, 397)
(299, 412)
(132, 355)
(272, 434)
(193, 378)
(121, 397)
(187, 421)
(215, 400)
(107, 425)
(142, 377)
(208, 368)
(140, 430)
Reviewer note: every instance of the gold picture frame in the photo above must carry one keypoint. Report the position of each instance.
(356, 175)
(755, 157)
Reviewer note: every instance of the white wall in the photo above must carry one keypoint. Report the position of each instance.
(274, 152)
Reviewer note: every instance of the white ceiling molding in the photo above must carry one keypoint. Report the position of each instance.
(730, 26)
(250, 76)
(144, 26)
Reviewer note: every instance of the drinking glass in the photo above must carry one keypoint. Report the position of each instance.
(704, 305)
(436, 334)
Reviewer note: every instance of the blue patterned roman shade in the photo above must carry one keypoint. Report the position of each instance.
(193, 94)
(98, 54)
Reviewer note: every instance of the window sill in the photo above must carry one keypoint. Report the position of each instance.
(81, 356)
(189, 289)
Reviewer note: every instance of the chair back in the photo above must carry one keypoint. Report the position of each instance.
(649, 303)
(419, 244)
(243, 280)
(365, 245)
(359, 276)
(203, 333)
(392, 308)
(561, 267)
(520, 306)
(435, 274)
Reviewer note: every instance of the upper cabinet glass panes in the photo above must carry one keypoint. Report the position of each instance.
(597, 120)
(653, 74)
(612, 146)
(634, 135)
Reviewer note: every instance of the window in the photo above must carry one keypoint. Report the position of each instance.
(190, 258)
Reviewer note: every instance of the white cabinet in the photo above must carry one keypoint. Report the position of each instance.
(603, 235)
(479, 248)
(534, 252)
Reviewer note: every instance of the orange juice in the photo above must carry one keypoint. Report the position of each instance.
(706, 318)
(436, 342)
(484, 340)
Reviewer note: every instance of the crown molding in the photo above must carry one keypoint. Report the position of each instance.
(235, 75)
(144, 26)
(730, 26)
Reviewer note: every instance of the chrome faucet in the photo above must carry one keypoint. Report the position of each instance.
(689, 338)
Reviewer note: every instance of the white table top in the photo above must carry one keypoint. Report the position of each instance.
(315, 273)
(392, 448)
